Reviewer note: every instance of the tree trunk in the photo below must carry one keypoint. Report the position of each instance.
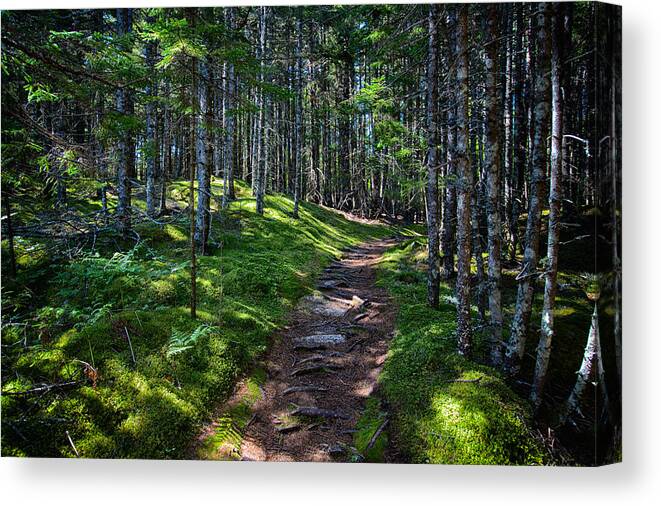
(508, 83)
(464, 187)
(616, 189)
(203, 128)
(152, 148)
(591, 372)
(345, 129)
(255, 141)
(492, 162)
(555, 201)
(519, 136)
(124, 144)
(10, 236)
(166, 170)
(263, 129)
(229, 117)
(194, 94)
(519, 329)
(433, 275)
(450, 200)
(298, 171)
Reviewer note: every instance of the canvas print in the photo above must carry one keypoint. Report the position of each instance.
(313, 233)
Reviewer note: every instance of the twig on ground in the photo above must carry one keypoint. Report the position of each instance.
(130, 345)
(71, 443)
(376, 435)
(354, 345)
(44, 388)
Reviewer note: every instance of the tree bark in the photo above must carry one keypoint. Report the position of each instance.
(448, 227)
(298, 171)
(493, 164)
(345, 127)
(193, 96)
(508, 83)
(616, 189)
(519, 329)
(263, 128)
(591, 372)
(124, 144)
(201, 156)
(166, 170)
(152, 148)
(229, 117)
(433, 273)
(519, 135)
(10, 235)
(555, 200)
(464, 187)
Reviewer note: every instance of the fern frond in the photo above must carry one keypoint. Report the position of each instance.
(182, 341)
(227, 433)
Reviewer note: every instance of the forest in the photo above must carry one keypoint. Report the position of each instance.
(348, 233)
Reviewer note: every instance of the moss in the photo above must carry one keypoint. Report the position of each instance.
(98, 444)
(171, 290)
(259, 267)
(477, 420)
(224, 443)
(371, 420)
(47, 361)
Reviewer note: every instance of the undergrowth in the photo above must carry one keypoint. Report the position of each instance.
(116, 324)
(444, 408)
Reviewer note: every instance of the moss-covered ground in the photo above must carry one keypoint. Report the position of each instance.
(117, 320)
(443, 408)
(434, 417)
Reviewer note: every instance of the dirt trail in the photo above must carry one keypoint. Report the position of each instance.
(323, 365)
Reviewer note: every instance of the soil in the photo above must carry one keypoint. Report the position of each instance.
(323, 365)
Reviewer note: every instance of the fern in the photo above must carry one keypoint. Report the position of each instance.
(227, 433)
(182, 341)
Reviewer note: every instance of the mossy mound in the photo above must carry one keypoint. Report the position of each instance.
(117, 312)
(444, 408)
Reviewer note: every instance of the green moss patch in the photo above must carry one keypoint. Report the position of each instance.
(117, 311)
(444, 408)
(370, 445)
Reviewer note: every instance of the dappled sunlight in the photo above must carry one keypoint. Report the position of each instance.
(448, 409)
(351, 197)
(245, 288)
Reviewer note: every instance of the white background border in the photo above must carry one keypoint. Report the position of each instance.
(635, 482)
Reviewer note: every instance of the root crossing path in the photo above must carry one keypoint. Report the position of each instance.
(323, 365)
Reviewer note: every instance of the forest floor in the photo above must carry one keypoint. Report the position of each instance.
(148, 398)
(363, 370)
(386, 386)
(321, 368)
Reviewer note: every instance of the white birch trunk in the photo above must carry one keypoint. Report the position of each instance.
(591, 372)
(519, 329)
(555, 199)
